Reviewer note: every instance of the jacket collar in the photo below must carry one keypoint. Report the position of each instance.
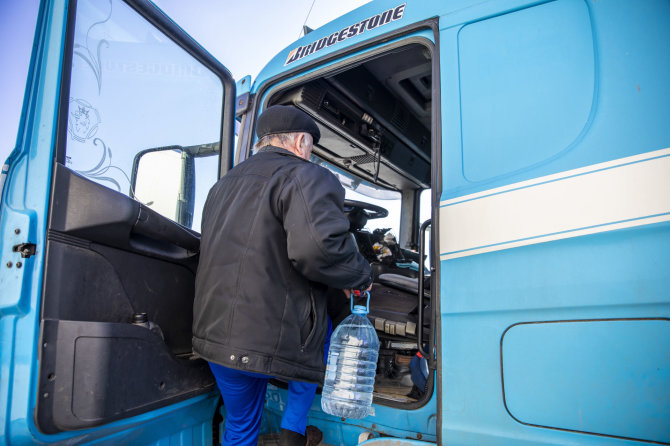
(279, 150)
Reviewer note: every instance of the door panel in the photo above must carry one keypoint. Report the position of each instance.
(96, 366)
(97, 372)
(111, 274)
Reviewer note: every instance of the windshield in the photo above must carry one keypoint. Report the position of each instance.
(360, 190)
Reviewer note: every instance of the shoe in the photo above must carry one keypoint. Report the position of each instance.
(314, 436)
(416, 393)
(290, 438)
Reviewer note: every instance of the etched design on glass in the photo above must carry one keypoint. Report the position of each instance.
(84, 51)
(104, 165)
(83, 121)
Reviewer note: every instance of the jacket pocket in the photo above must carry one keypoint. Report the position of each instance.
(311, 320)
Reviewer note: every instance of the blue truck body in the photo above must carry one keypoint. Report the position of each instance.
(543, 137)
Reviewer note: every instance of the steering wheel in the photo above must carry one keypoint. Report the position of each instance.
(370, 211)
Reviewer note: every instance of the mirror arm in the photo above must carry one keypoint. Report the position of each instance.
(186, 204)
(202, 150)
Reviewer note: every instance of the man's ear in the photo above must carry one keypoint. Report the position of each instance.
(300, 144)
(297, 142)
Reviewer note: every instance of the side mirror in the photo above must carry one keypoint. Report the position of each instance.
(163, 179)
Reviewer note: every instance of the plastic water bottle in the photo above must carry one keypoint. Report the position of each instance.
(352, 364)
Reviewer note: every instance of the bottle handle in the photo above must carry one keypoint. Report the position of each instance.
(367, 303)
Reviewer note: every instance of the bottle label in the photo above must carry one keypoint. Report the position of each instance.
(331, 371)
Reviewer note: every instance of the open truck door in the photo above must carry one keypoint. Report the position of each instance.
(127, 123)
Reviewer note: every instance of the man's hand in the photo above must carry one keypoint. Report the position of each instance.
(348, 292)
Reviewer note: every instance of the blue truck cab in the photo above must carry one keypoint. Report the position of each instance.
(507, 174)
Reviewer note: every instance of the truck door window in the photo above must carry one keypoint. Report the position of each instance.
(133, 90)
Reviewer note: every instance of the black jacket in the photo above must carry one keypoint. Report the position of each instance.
(274, 237)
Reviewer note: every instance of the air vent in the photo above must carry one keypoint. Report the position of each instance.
(400, 119)
(364, 159)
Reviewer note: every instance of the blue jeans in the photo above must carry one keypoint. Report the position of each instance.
(244, 396)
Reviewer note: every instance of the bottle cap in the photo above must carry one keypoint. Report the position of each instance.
(360, 309)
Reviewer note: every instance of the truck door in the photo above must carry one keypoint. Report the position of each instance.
(126, 125)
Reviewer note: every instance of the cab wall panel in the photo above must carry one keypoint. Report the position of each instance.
(616, 275)
(554, 208)
(521, 117)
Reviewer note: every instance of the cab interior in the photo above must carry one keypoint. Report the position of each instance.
(375, 120)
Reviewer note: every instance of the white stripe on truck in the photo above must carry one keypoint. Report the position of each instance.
(617, 194)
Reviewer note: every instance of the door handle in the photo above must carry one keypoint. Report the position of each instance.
(422, 273)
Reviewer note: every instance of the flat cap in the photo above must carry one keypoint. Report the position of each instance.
(286, 119)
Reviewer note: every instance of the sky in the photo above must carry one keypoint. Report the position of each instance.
(243, 36)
